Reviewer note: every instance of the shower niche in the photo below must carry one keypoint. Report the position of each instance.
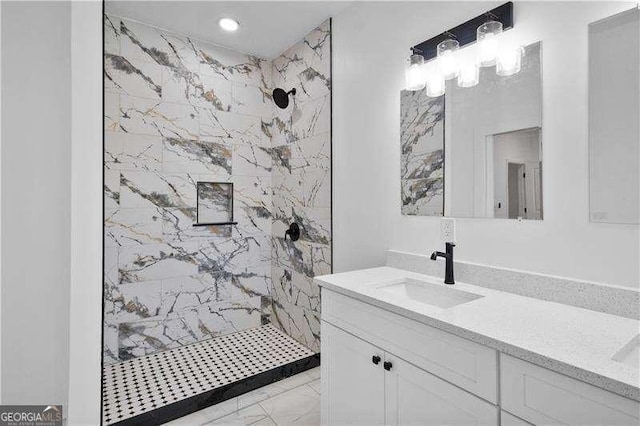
(214, 204)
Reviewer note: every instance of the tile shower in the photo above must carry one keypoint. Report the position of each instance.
(180, 111)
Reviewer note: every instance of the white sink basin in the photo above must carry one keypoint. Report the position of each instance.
(440, 295)
(630, 353)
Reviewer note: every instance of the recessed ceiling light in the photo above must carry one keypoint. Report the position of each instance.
(228, 24)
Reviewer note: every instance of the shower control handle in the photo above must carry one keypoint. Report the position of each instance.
(376, 359)
(293, 232)
(387, 365)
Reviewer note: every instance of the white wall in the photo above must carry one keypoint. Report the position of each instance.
(521, 146)
(0, 205)
(371, 42)
(86, 214)
(36, 153)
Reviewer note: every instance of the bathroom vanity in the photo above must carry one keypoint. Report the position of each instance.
(404, 348)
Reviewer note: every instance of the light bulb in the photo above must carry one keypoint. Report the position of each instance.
(509, 61)
(435, 85)
(414, 73)
(228, 24)
(469, 75)
(488, 40)
(447, 58)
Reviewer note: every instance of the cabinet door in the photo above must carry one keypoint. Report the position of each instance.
(352, 384)
(415, 397)
(544, 397)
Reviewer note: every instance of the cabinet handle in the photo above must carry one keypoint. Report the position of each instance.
(375, 359)
(387, 365)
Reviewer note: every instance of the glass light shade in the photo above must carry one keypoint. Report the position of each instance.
(509, 61)
(469, 75)
(488, 41)
(447, 58)
(413, 73)
(435, 85)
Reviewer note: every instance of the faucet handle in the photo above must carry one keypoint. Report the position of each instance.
(293, 232)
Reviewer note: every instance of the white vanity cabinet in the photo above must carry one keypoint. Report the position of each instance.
(381, 368)
(371, 382)
(364, 385)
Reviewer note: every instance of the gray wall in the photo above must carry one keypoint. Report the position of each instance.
(36, 155)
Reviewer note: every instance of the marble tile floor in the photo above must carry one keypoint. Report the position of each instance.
(292, 401)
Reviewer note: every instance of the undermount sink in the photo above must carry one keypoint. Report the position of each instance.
(630, 353)
(438, 295)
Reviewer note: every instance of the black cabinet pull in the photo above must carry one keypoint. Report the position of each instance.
(387, 365)
(375, 359)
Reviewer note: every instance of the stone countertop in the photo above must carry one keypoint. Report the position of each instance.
(572, 341)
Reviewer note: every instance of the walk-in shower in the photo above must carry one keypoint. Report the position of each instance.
(206, 295)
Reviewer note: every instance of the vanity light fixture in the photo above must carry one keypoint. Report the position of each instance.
(488, 41)
(467, 32)
(447, 58)
(486, 29)
(469, 75)
(228, 24)
(509, 61)
(414, 71)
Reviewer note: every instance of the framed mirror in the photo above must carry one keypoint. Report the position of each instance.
(476, 151)
(614, 119)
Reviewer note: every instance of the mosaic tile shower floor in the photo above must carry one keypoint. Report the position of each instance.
(143, 384)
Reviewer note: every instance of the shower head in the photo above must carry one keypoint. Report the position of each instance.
(281, 98)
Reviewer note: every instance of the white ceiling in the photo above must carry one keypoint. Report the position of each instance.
(267, 28)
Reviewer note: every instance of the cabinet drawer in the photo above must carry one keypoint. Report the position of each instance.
(543, 397)
(469, 365)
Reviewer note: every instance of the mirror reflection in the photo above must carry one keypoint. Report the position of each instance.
(514, 188)
(476, 151)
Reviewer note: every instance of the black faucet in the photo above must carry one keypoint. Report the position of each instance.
(448, 256)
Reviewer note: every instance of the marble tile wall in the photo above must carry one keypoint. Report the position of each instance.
(178, 111)
(301, 178)
(422, 153)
